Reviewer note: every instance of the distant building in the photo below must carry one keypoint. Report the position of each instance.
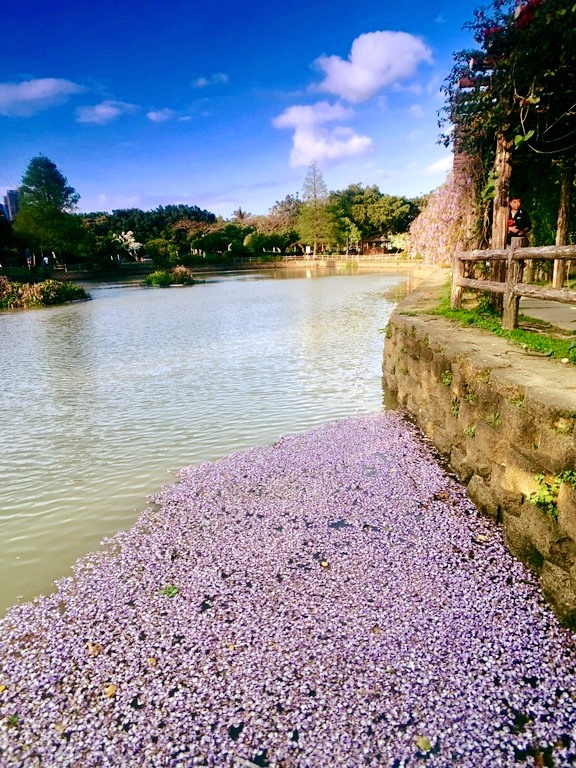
(11, 204)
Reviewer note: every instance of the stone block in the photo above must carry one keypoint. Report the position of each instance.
(563, 553)
(527, 465)
(520, 424)
(480, 461)
(460, 464)
(520, 544)
(555, 450)
(558, 589)
(541, 529)
(514, 479)
(441, 439)
(483, 496)
(567, 510)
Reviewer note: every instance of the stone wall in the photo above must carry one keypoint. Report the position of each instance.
(501, 417)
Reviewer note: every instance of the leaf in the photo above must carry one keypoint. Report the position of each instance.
(423, 744)
(520, 139)
(170, 591)
(110, 690)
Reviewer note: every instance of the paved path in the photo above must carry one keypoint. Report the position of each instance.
(559, 315)
(330, 600)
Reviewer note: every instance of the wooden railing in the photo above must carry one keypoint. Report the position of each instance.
(512, 288)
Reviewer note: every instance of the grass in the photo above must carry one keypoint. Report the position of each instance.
(545, 340)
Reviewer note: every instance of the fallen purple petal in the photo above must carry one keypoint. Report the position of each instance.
(333, 599)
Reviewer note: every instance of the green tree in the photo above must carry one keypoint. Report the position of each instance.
(510, 104)
(365, 212)
(45, 188)
(47, 201)
(164, 252)
(224, 239)
(262, 244)
(316, 224)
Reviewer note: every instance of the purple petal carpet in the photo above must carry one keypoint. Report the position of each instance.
(331, 600)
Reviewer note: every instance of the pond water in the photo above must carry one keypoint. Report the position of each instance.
(103, 402)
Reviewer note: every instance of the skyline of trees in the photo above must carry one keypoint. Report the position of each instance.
(172, 234)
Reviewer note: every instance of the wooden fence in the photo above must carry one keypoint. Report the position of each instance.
(512, 288)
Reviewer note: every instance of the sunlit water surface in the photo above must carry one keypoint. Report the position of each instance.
(103, 402)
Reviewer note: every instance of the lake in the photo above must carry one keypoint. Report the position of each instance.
(104, 401)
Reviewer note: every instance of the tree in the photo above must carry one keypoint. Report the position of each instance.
(283, 216)
(510, 102)
(45, 188)
(164, 252)
(261, 244)
(315, 222)
(128, 242)
(224, 239)
(366, 212)
(47, 201)
(240, 216)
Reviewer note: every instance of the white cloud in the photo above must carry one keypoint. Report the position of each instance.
(299, 116)
(445, 164)
(31, 96)
(377, 60)
(328, 147)
(161, 115)
(313, 141)
(218, 78)
(416, 111)
(105, 112)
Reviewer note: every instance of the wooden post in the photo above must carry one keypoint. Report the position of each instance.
(511, 300)
(456, 291)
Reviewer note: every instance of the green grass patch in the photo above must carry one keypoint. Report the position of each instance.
(549, 341)
(546, 497)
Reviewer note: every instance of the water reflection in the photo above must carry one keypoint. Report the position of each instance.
(103, 400)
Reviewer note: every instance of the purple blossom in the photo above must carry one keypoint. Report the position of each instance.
(332, 599)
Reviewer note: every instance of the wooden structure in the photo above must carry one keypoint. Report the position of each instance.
(511, 287)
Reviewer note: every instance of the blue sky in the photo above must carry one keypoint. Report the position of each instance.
(225, 104)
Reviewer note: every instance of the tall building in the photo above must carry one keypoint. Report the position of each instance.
(11, 204)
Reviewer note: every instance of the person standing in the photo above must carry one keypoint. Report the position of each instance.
(519, 223)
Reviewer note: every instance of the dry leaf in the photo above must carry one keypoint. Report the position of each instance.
(94, 648)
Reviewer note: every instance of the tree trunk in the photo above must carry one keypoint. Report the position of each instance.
(503, 172)
(562, 224)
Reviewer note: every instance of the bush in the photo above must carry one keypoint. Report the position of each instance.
(15, 295)
(180, 275)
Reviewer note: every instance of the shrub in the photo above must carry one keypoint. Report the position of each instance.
(179, 275)
(15, 295)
